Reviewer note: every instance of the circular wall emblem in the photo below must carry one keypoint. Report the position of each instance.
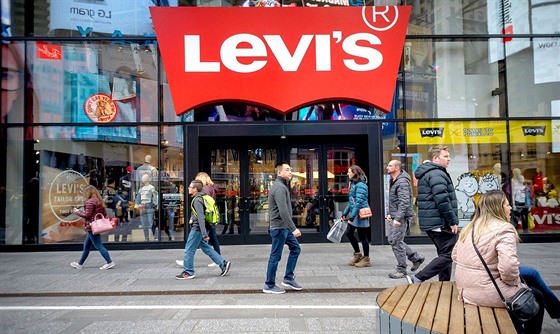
(100, 108)
(65, 193)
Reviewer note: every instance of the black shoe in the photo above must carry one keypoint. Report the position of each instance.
(416, 265)
(225, 269)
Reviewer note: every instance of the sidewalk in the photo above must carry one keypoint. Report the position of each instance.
(321, 268)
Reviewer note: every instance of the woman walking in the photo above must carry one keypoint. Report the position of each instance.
(357, 199)
(93, 205)
(496, 240)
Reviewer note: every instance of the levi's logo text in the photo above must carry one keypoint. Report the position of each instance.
(534, 130)
(281, 58)
(431, 132)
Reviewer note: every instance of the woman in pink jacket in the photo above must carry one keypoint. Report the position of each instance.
(496, 240)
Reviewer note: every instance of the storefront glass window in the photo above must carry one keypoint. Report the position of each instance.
(94, 83)
(447, 80)
(478, 161)
(172, 218)
(533, 78)
(535, 162)
(13, 83)
(65, 164)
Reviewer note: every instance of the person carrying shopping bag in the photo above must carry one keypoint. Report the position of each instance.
(357, 199)
(93, 206)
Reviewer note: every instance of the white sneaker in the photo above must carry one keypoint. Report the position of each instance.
(180, 263)
(107, 266)
(213, 265)
(76, 265)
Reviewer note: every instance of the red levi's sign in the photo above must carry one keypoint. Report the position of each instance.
(281, 58)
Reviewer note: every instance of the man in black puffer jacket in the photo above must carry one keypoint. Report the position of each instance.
(437, 212)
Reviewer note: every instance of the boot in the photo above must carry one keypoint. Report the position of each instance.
(364, 262)
(357, 257)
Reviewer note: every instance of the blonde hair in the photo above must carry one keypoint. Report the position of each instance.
(205, 178)
(90, 191)
(490, 208)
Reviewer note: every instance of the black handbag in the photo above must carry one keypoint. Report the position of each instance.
(523, 305)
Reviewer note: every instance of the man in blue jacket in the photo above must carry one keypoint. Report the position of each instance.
(437, 213)
(282, 231)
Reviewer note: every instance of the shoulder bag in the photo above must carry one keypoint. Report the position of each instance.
(101, 224)
(363, 213)
(523, 305)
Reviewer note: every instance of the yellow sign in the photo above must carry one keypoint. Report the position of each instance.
(449, 133)
(530, 132)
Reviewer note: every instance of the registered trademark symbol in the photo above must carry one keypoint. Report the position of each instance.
(380, 19)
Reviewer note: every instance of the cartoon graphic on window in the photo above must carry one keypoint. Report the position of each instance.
(465, 190)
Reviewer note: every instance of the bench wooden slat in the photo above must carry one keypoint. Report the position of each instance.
(415, 308)
(434, 307)
(473, 323)
(504, 321)
(430, 306)
(393, 300)
(487, 320)
(457, 321)
(441, 320)
(384, 295)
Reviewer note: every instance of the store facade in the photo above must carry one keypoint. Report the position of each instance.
(86, 99)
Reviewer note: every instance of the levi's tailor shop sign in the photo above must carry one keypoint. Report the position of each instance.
(281, 58)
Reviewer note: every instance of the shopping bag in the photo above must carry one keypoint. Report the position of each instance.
(102, 224)
(337, 230)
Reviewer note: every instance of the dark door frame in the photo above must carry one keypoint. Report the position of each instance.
(233, 133)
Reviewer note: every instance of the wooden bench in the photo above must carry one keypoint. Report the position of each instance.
(433, 307)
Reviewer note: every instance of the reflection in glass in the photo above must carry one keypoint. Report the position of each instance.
(338, 161)
(225, 174)
(305, 187)
(261, 178)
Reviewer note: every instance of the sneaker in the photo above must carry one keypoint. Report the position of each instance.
(416, 265)
(225, 269)
(180, 263)
(76, 265)
(107, 266)
(397, 275)
(409, 279)
(275, 289)
(184, 275)
(212, 265)
(292, 285)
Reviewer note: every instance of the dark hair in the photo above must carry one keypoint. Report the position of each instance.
(278, 166)
(197, 184)
(358, 172)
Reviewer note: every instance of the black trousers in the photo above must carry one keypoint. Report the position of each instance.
(441, 265)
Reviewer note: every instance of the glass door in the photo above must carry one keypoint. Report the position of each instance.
(261, 177)
(338, 161)
(305, 188)
(225, 172)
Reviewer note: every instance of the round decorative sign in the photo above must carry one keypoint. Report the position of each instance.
(100, 108)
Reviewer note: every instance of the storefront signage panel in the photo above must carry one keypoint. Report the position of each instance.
(433, 133)
(281, 58)
(524, 132)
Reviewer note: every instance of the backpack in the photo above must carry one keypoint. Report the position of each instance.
(211, 211)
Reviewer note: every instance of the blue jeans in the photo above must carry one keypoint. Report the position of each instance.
(214, 239)
(94, 239)
(533, 278)
(281, 237)
(194, 242)
(147, 219)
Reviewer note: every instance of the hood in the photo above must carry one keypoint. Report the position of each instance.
(403, 175)
(425, 168)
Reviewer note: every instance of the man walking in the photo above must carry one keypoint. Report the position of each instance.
(437, 213)
(399, 217)
(198, 236)
(282, 231)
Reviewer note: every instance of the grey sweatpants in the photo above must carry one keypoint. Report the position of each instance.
(401, 250)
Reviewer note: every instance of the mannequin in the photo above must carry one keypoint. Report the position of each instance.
(147, 202)
(520, 194)
(146, 169)
(538, 179)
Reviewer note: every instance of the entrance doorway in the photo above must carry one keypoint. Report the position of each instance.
(243, 169)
